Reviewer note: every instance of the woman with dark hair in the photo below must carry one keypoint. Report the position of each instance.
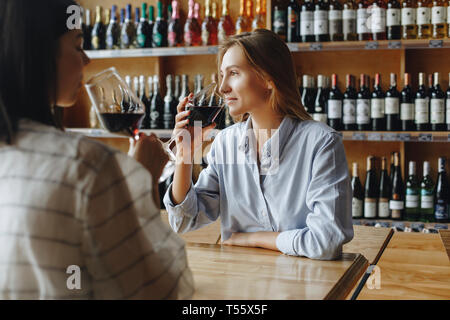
(69, 204)
(276, 179)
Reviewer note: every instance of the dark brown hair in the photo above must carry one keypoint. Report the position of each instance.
(272, 60)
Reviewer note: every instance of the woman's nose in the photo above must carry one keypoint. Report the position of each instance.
(224, 88)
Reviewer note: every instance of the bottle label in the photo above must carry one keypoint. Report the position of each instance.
(370, 208)
(408, 16)
(392, 105)
(383, 208)
(407, 111)
(422, 113)
(362, 111)
(125, 41)
(320, 22)
(441, 210)
(334, 109)
(157, 39)
(110, 41)
(377, 108)
(172, 38)
(349, 26)
(448, 15)
(349, 111)
(279, 23)
(334, 15)
(357, 208)
(348, 14)
(448, 112)
(95, 43)
(412, 200)
(141, 40)
(188, 35)
(437, 111)
(321, 117)
(423, 16)
(427, 199)
(362, 18)
(438, 15)
(396, 205)
(393, 17)
(378, 18)
(307, 23)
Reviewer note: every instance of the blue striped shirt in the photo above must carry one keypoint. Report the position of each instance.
(301, 189)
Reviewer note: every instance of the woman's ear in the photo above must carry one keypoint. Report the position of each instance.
(270, 85)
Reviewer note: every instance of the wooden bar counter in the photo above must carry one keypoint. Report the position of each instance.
(413, 266)
(240, 273)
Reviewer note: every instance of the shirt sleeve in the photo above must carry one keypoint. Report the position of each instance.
(329, 223)
(130, 253)
(201, 205)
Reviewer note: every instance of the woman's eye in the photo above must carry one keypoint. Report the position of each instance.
(233, 73)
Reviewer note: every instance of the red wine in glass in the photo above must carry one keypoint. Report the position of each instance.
(122, 122)
(206, 115)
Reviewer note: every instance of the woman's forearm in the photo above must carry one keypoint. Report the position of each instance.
(181, 182)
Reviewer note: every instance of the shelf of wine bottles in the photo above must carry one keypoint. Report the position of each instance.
(372, 109)
(403, 226)
(387, 196)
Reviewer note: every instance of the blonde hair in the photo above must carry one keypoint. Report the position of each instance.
(272, 60)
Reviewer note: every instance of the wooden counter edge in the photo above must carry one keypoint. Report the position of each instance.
(349, 279)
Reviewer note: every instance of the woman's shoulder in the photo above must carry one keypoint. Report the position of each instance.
(47, 139)
(315, 130)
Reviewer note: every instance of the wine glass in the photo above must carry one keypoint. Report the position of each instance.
(120, 111)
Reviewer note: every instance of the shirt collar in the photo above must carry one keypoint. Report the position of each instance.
(282, 134)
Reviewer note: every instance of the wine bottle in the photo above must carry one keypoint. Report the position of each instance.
(358, 194)
(407, 106)
(437, 106)
(137, 15)
(321, 31)
(122, 18)
(349, 104)
(335, 98)
(309, 94)
(438, 17)
(279, 20)
(113, 31)
(87, 30)
(184, 87)
(422, 108)
(427, 195)
(170, 105)
(143, 97)
(144, 34)
(385, 192)
(412, 202)
(320, 112)
(174, 29)
(362, 16)
(198, 86)
(397, 199)
(249, 14)
(128, 34)
(136, 86)
(409, 27)
(159, 37)
(378, 19)
(448, 104)
(363, 105)
(371, 190)
(392, 168)
(192, 29)
(226, 26)
(259, 22)
(209, 27)
(150, 93)
(307, 21)
(241, 21)
(156, 106)
(393, 24)
(98, 37)
(392, 103)
(441, 194)
(349, 20)
(335, 21)
(424, 27)
(151, 20)
(377, 107)
(293, 22)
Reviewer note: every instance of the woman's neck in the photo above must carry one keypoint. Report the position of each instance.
(264, 124)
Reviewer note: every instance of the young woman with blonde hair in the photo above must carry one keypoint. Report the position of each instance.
(292, 190)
